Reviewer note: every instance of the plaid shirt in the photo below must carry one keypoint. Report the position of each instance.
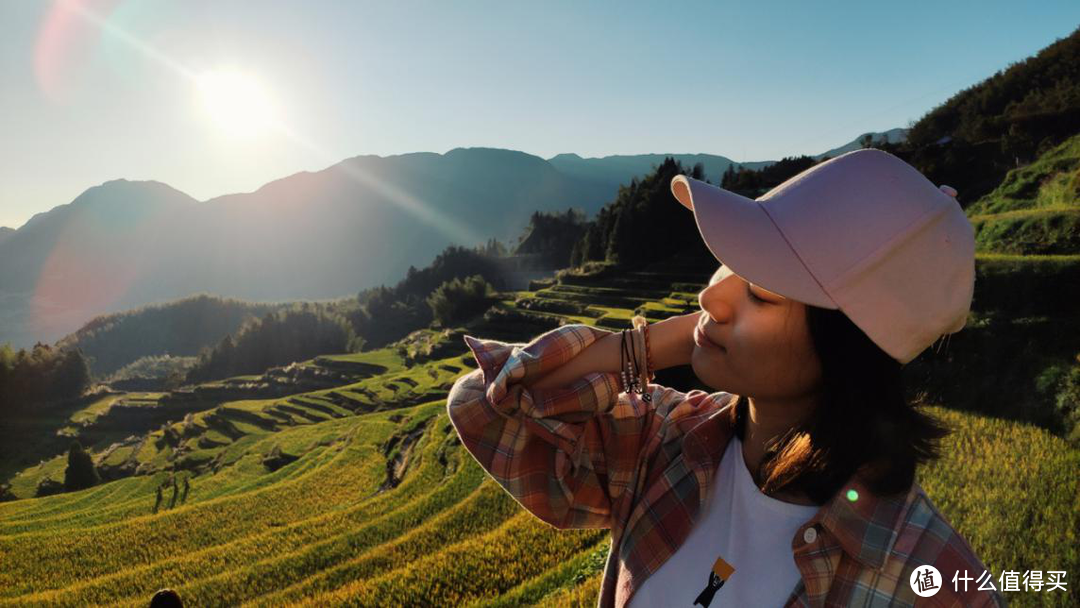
(589, 456)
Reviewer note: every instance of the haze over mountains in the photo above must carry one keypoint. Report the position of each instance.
(312, 235)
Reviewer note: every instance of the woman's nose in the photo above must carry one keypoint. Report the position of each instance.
(711, 300)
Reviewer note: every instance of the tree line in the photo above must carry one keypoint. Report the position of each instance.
(300, 332)
(644, 223)
(552, 236)
(40, 375)
(178, 328)
(975, 137)
(970, 142)
(458, 284)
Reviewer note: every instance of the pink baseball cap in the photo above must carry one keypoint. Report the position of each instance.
(864, 232)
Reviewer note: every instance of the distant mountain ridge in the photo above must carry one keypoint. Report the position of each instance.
(618, 169)
(312, 235)
(892, 136)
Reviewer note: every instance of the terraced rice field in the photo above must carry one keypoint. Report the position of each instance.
(378, 504)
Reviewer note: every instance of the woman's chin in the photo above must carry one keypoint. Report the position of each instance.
(704, 365)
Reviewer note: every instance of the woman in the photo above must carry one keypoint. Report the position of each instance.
(794, 484)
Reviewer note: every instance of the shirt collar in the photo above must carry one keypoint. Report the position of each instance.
(864, 524)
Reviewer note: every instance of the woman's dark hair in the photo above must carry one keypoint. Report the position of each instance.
(862, 421)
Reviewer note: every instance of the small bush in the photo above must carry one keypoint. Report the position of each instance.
(547, 305)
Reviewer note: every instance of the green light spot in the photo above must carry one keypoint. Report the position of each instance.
(852, 495)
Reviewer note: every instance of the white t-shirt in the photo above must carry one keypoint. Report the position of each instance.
(750, 531)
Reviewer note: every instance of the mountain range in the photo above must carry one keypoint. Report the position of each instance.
(312, 235)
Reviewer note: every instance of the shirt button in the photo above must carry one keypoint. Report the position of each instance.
(810, 534)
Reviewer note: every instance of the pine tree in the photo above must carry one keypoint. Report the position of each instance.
(80, 472)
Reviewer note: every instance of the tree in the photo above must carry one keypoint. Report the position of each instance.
(72, 374)
(457, 300)
(728, 178)
(551, 237)
(80, 472)
(175, 492)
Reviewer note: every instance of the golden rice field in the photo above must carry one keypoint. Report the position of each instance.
(322, 529)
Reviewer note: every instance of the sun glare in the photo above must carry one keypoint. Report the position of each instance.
(236, 102)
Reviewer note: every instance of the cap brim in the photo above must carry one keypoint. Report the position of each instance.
(741, 235)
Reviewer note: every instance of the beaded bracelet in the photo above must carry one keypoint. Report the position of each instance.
(631, 379)
(641, 322)
(640, 374)
(648, 354)
(624, 361)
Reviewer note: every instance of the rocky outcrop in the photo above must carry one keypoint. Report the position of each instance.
(398, 464)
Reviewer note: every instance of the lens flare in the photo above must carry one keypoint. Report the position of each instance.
(64, 44)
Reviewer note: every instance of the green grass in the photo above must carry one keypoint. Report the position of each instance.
(1052, 181)
(95, 409)
(1012, 489)
(385, 357)
(1029, 231)
(25, 483)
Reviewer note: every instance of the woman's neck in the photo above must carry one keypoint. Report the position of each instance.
(765, 421)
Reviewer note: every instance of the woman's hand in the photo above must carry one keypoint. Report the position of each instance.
(672, 340)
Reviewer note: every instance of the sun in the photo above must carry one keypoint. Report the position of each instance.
(237, 102)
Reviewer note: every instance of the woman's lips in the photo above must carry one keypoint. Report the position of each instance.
(703, 341)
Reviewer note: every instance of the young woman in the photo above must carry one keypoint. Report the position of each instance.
(793, 484)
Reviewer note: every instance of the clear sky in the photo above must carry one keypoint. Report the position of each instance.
(215, 97)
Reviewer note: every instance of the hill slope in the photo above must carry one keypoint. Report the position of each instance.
(361, 492)
(308, 236)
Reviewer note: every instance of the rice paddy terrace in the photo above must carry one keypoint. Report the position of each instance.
(340, 480)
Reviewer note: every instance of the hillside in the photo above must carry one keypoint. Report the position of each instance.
(134, 243)
(1006, 121)
(353, 486)
(180, 328)
(312, 235)
(341, 479)
(1036, 209)
(1019, 355)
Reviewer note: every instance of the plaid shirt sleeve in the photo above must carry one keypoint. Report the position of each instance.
(941, 545)
(566, 454)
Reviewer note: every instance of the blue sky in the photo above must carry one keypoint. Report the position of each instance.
(95, 90)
